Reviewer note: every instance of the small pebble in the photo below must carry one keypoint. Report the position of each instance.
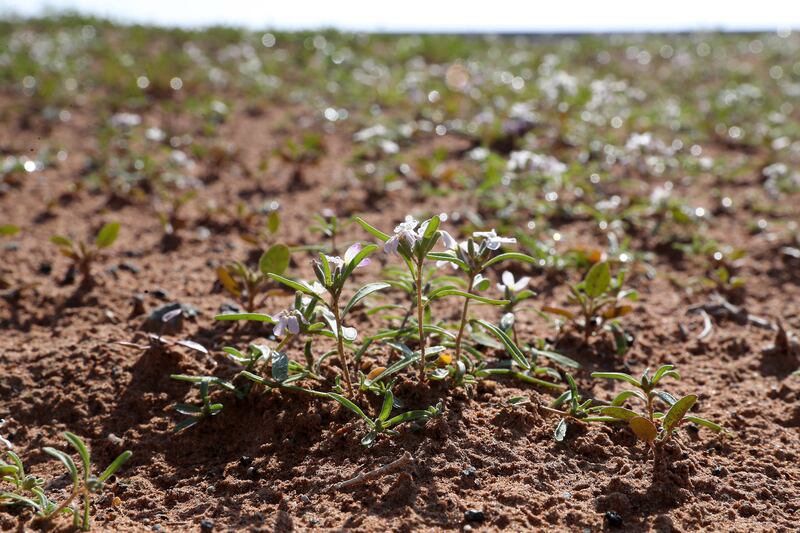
(206, 525)
(613, 519)
(474, 515)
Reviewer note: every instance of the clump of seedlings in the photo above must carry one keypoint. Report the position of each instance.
(601, 300)
(84, 253)
(650, 423)
(245, 283)
(28, 490)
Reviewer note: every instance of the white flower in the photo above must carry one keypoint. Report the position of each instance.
(512, 285)
(349, 255)
(287, 320)
(448, 241)
(493, 241)
(404, 230)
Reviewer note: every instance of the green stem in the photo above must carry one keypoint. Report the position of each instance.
(463, 319)
(340, 343)
(420, 323)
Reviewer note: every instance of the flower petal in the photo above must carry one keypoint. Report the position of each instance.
(351, 252)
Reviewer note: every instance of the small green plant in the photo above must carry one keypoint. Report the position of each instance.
(414, 242)
(207, 408)
(601, 299)
(652, 426)
(83, 253)
(382, 424)
(245, 284)
(571, 406)
(28, 489)
(332, 273)
(328, 225)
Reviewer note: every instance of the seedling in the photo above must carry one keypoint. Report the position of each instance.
(571, 406)
(83, 253)
(652, 426)
(206, 409)
(84, 483)
(327, 225)
(382, 424)
(245, 284)
(600, 299)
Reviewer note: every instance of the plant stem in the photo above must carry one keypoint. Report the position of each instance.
(463, 319)
(420, 323)
(340, 343)
(85, 525)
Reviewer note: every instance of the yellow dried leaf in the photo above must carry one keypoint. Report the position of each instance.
(375, 372)
(643, 428)
(228, 282)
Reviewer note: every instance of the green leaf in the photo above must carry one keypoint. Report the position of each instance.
(80, 447)
(705, 423)
(273, 222)
(6, 230)
(371, 230)
(620, 413)
(61, 240)
(305, 289)
(456, 292)
(362, 293)
(324, 266)
(563, 360)
(560, 431)
(254, 317)
(448, 256)
(510, 256)
(677, 412)
(275, 260)
(597, 280)
(113, 467)
(67, 462)
(430, 229)
(617, 375)
(624, 395)
(665, 371)
(512, 349)
(107, 235)
(21, 499)
(353, 407)
(386, 409)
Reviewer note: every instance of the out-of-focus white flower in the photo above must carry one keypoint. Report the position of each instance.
(493, 240)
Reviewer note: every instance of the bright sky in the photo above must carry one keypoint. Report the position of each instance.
(440, 15)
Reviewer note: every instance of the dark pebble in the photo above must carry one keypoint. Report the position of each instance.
(468, 472)
(206, 525)
(161, 294)
(45, 268)
(245, 460)
(252, 472)
(129, 267)
(229, 307)
(613, 519)
(718, 471)
(474, 515)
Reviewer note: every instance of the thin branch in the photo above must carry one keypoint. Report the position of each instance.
(363, 477)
